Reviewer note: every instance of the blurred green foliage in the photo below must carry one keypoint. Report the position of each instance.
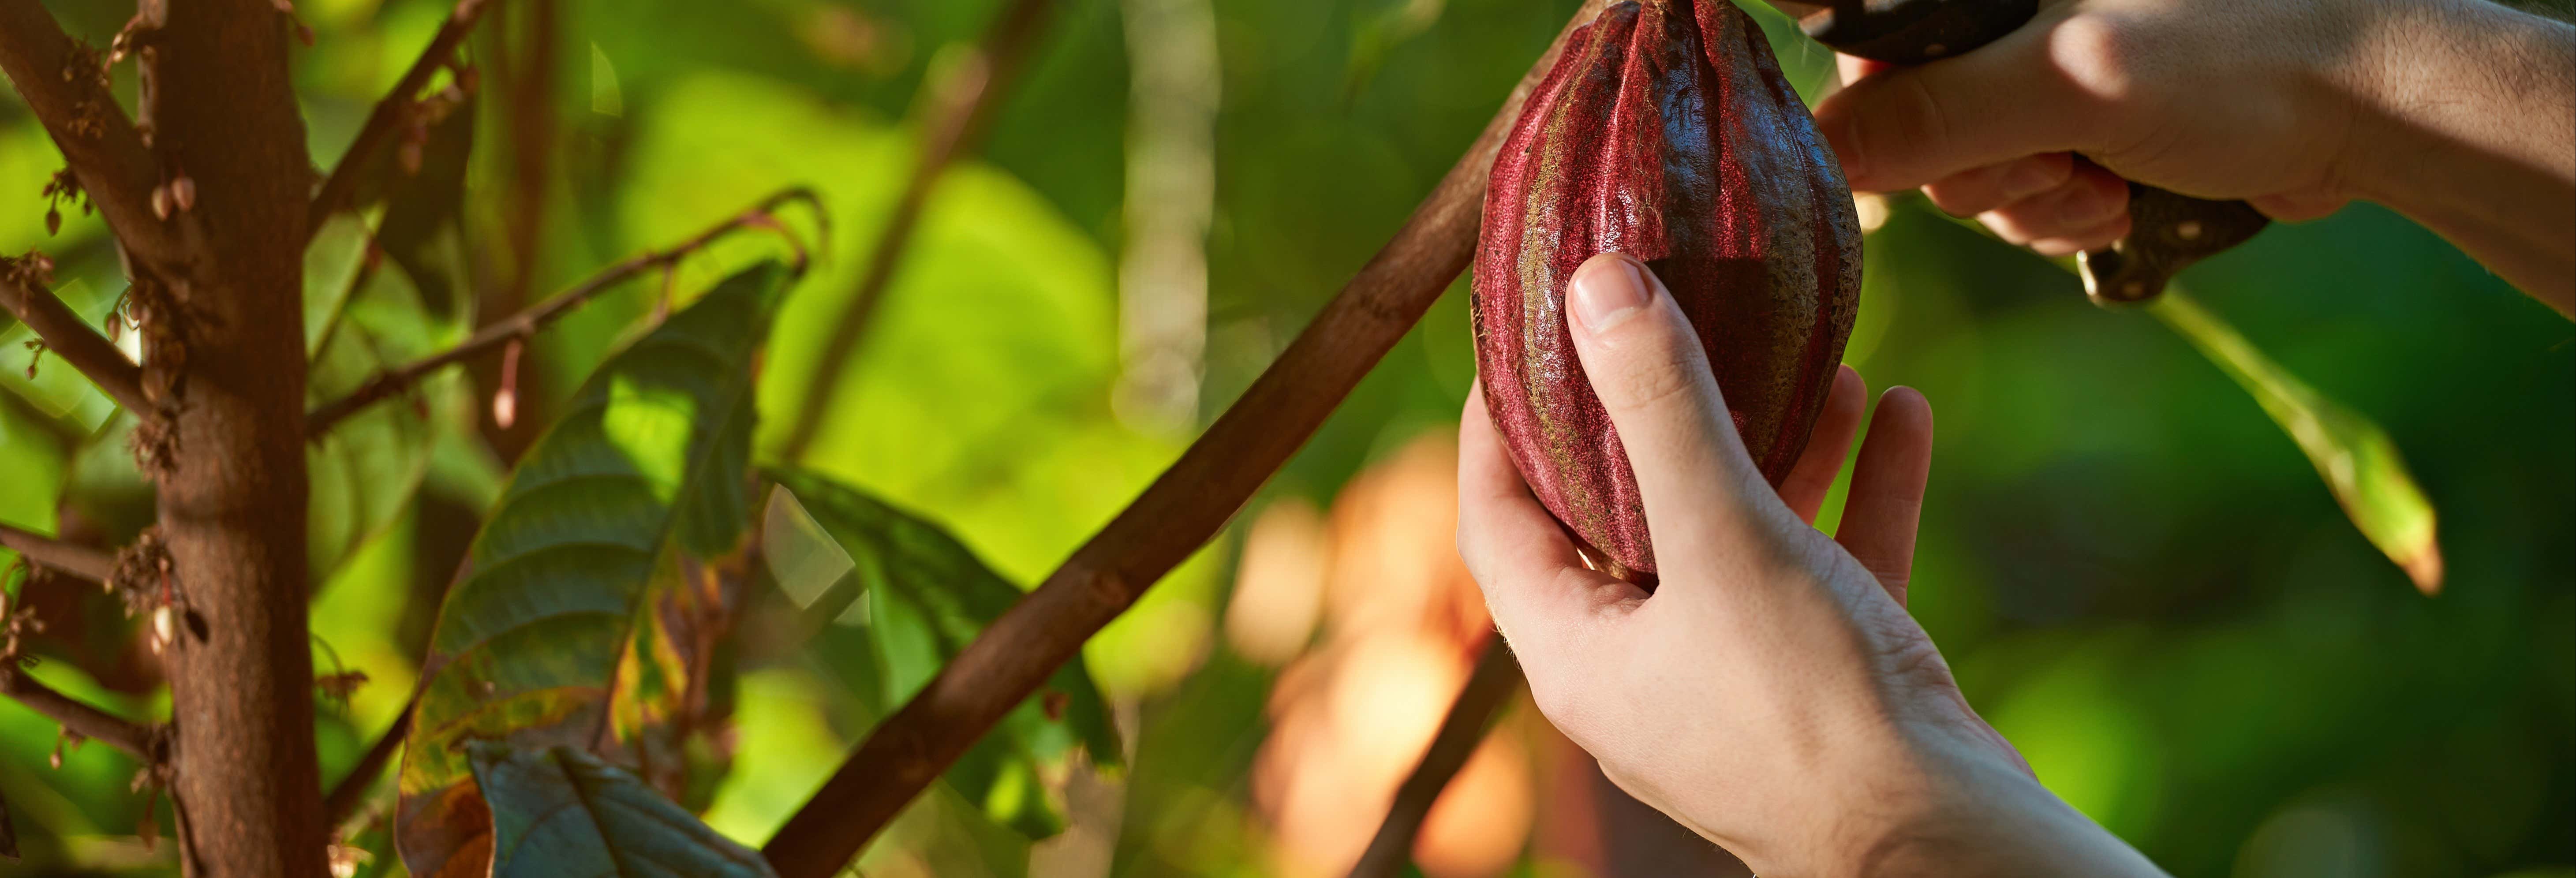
(2136, 575)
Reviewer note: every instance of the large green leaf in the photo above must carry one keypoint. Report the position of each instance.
(561, 811)
(590, 611)
(920, 596)
(998, 336)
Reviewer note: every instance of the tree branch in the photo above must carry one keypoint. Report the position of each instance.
(352, 788)
(1177, 514)
(66, 85)
(1497, 678)
(954, 116)
(81, 719)
(77, 560)
(526, 323)
(391, 111)
(72, 339)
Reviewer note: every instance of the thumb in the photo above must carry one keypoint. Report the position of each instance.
(1701, 491)
(1903, 127)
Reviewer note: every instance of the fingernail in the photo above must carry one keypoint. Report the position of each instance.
(1608, 289)
(2027, 178)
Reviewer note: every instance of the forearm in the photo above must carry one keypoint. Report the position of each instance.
(2043, 840)
(2469, 127)
(1993, 820)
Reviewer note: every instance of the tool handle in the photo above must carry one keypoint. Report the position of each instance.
(2167, 231)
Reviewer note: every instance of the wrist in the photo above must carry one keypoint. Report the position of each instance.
(1981, 815)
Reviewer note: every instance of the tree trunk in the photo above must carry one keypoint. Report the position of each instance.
(232, 498)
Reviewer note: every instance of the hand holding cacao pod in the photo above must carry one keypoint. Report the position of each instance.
(1665, 132)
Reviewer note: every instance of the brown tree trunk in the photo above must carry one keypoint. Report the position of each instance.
(232, 499)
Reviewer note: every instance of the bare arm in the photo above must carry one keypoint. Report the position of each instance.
(2458, 113)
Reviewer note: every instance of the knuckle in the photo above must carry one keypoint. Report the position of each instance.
(2096, 53)
(1966, 194)
(1663, 368)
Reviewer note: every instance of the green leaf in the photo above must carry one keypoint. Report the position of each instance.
(365, 472)
(333, 263)
(561, 811)
(921, 597)
(2361, 465)
(594, 598)
(57, 390)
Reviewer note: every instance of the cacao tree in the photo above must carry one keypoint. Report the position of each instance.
(623, 434)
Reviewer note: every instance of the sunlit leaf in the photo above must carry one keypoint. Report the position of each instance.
(2358, 460)
(561, 811)
(999, 336)
(2360, 464)
(55, 389)
(591, 612)
(915, 596)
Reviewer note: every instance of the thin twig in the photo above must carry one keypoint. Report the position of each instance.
(79, 718)
(78, 560)
(1496, 679)
(1176, 515)
(526, 323)
(69, 337)
(392, 112)
(65, 83)
(352, 789)
(955, 115)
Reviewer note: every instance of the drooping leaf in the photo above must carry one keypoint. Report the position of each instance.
(1031, 457)
(560, 812)
(922, 597)
(2361, 465)
(601, 578)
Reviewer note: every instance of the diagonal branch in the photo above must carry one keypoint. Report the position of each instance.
(392, 112)
(1176, 515)
(956, 113)
(79, 718)
(352, 789)
(65, 84)
(1497, 678)
(71, 338)
(519, 326)
(78, 560)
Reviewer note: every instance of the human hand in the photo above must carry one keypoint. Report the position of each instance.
(2214, 98)
(1772, 695)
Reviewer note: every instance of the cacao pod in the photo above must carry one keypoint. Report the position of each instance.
(1665, 132)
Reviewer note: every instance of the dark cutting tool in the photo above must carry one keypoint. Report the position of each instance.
(2167, 232)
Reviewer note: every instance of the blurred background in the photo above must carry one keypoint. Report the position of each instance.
(2136, 575)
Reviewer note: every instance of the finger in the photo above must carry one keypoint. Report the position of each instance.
(2089, 198)
(2095, 238)
(1535, 586)
(1700, 489)
(1978, 190)
(1813, 475)
(1886, 499)
(1904, 127)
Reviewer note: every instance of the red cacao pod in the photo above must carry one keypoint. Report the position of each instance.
(1664, 132)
